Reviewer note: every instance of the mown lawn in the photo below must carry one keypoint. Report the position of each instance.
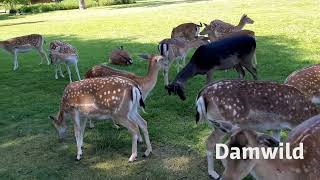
(288, 37)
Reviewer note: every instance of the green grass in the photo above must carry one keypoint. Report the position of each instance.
(287, 39)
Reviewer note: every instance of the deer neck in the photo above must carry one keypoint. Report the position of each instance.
(186, 73)
(148, 82)
(240, 25)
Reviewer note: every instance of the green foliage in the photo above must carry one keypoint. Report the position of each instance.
(11, 4)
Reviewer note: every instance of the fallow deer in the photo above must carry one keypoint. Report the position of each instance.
(146, 83)
(63, 53)
(176, 49)
(270, 169)
(188, 31)
(307, 80)
(24, 44)
(115, 97)
(259, 105)
(212, 37)
(120, 57)
(221, 28)
(233, 52)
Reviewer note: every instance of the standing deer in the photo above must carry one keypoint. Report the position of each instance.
(307, 80)
(233, 52)
(24, 44)
(146, 83)
(259, 105)
(63, 53)
(177, 49)
(116, 98)
(188, 31)
(120, 57)
(285, 169)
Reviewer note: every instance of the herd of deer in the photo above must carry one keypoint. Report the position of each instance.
(235, 108)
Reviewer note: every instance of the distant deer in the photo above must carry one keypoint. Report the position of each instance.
(188, 31)
(24, 44)
(177, 49)
(259, 105)
(63, 53)
(220, 28)
(116, 98)
(307, 80)
(146, 83)
(120, 57)
(234, 52)
(307, 133)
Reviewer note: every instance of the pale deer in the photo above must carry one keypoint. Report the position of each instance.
(212, 37)
(188, 31)
(307, 80)
(24, 44)
(176, 49)
(259, 105)
(146, 83)
(220, 28)
(115, 97)
(120, 57)
(63, 53)
(307, 168)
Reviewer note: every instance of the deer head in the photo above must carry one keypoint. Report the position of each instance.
(60, 125)
(246, 20)
(207, 29)
(176, 88)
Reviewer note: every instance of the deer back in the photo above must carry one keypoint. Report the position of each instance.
(105, 71)
(187, 30)
(34, 40)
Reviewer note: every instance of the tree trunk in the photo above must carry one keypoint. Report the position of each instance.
(82, 5)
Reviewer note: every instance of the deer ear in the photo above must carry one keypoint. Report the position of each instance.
(51, 118)
(200, 24)
(145, 56)
(205, 24)
(267, 140)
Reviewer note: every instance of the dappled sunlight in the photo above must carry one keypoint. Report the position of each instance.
(177, 163)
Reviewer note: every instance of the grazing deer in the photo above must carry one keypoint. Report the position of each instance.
(188, 31)
(234, 52)
(24, 44)
(220, 28)
(259, 105)
(63, 53)
(146, 83)
(212, 37)
(120, 57)
(115, 97)
(177, 49)
(285, 169)
(307, 80)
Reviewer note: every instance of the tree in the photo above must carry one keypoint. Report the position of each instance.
(82, 5)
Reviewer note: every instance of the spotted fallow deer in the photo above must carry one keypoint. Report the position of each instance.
(24, 44)
(307, 80)
(115, 97)
(221, 28)
(146, 83)
(63, 53)
(307, 168)
(188, 31)
(259, 105)
(176, 49)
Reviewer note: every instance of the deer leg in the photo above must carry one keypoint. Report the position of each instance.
(60, 70)
(166, 75)
(69, 72)
(43, 55)
(209, 76)
(56, 71)
(77, 70)
(143, 125)
(91, 124)
(214, 138)
(15, 60)
(77, 133)
(252, 71)
(240, 71)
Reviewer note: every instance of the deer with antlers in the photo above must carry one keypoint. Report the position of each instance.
(115, 97)
(259, 105)
(188, 31)
(308, 168)
(24, 44)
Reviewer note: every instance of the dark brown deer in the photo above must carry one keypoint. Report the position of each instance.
(188, 31)
(120, 57)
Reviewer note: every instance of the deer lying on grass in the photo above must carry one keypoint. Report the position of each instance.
(24, 44)
(177, 49)
(230, 104)
(63, 53)
(307, 80)
(234, 52)
(120, 57)
(220, 28)
(188, 31)
(116, 98)
(285, 169)
(146, 83)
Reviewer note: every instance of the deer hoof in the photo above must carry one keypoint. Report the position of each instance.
(214, 175)
(78, 158)
(147, 154)
(132, 158)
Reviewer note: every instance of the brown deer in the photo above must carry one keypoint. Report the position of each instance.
(24, 44)
(120, 57)
(63, 53)
(146, 83)
(285, 169)
(307, 80)
(188, 31)
(212, 37)
(259, 105)
(176, 49)
(115, 97)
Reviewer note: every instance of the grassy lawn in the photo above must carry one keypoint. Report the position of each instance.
(288, 37)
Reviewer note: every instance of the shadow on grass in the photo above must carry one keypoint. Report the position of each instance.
(29, 144)
(13, 24)
(156, 3)
(8, 16)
